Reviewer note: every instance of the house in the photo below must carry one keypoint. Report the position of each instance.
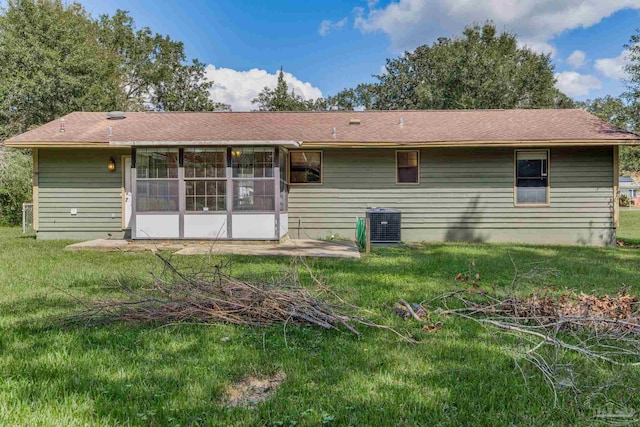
(630, 188)
(534, 176)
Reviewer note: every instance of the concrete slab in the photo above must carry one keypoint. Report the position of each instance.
(292, 247)
(107, 245)
(288, 247)
(121, 245)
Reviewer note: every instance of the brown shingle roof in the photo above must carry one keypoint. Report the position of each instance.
(375, 127)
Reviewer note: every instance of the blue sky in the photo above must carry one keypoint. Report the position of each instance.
(246, 41)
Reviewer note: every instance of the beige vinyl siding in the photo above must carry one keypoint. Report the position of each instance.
(79, 179)
(464, 194)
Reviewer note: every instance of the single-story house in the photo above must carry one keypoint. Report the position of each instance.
(534, 176)
(630, 188)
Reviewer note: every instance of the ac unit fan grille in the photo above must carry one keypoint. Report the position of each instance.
(385, 225)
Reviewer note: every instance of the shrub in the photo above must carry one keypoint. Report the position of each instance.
(15, 184)
(624, 201)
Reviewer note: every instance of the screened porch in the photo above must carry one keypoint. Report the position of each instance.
(209, 193)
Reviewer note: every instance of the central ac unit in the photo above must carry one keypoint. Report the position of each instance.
(385, 225)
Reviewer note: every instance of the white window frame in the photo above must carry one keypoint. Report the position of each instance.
(515, 178)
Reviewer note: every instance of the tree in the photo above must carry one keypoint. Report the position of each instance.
(364, 96)
(150, 69)
(611, 109)
(15, 184)
(632, 71)
(51, 64)
(55, 59)
(620, 113)
(280, 99)
(184, 88)
(481, 69)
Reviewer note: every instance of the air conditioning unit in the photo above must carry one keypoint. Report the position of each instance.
(385, 225)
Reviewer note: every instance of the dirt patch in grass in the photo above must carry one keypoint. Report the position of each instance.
(250, 391)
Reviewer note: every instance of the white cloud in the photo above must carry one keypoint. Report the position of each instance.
(411, 23)
(576, 84)
(238, 88)
(613, 67)
(538, 46)
(328, 25)
(576, 59)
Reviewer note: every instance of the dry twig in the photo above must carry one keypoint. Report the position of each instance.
(211, 295)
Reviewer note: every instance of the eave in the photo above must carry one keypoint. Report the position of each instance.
(327, 144)
(454, 144)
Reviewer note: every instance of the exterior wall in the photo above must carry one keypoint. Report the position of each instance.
(78, 179)
(465, 194)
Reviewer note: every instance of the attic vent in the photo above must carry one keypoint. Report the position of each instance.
(354, 121)
(116, 115)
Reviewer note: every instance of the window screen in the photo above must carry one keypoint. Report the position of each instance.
(205, 171)
(157, 180)
(254, 184)
(532, 177)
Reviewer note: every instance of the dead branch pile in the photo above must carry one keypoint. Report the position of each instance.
(600, 327)
(547, 328)
(619, 313)
(212, 295)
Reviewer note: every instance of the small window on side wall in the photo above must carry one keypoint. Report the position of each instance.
(532, 177)
(408, 167)
(305, 167)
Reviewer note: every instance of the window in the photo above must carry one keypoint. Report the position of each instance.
(532, 177)
(252, 162)
(305, 167)
(155, 164)
(253, 195)
(254, 185)
(157, 180)
(205, 171)
(408, 167)
(282, 160)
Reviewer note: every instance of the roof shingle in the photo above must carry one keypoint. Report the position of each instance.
(375, 126)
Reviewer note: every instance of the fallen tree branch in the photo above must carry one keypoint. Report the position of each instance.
(411, 311)
(601, 329)
(212, 295)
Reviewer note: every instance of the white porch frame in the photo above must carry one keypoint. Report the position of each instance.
(172, 224)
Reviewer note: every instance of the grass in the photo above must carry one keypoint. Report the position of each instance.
(629, 230)
(149, 375)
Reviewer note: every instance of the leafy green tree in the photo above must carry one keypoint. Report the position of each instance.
(611, 109)
(363, 95)
(481, 69)
(15, 184)
(620, 113)
(55, 58)
(51, 64)
(151, 71)
(632, 71)
(281, 99)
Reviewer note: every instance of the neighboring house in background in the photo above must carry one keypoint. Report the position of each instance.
(534, 176)
(630, 188)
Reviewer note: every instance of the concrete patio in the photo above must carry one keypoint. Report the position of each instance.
(288, 247)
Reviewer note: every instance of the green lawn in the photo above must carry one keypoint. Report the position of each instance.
(146, 375)
(629, 225)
